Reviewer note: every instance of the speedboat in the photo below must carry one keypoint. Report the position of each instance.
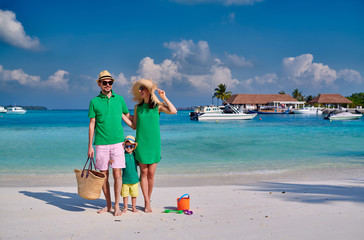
(271, 110)
(216, 113)
(3, 110)
(308, 110)
(16, 110)
(343, 116)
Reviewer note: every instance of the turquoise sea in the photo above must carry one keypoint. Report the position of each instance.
(55, 142)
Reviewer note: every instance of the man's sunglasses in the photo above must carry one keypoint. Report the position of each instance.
(107, 82)
(129, 146)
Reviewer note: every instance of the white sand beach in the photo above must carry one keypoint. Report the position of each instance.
(330, 209)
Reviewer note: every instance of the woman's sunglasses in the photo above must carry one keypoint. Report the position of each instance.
(129, 146)
(107, 82)
(141, 88)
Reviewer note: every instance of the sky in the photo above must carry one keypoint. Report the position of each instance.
(51, 52)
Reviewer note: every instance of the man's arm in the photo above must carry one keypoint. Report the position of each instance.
(91, 131)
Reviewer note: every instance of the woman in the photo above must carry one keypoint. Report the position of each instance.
(146, 120)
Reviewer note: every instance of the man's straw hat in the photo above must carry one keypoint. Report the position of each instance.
(104, 75)
(150, 85)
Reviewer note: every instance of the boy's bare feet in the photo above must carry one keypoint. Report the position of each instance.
(104, 210)
(134, 209)
(124, 210)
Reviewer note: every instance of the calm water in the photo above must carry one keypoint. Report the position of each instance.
(49, 142)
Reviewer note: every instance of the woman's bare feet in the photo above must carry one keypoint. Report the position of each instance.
(104, 210)
(117, 212)
(147, 208)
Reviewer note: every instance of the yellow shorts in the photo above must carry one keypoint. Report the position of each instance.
(130, 188)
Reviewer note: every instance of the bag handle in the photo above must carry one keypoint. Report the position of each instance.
(183, 196)
(90, 161)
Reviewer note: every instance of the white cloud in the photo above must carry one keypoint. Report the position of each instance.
(350, 76)
(238, 61)
(224, 2)
(165, 72)
(121, 80)
(189, 51)
(302, 70)
(12, 32)
(58, 80)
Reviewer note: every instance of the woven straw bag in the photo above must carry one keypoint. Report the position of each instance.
(89, 182)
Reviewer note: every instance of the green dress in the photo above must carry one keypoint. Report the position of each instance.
(148, 135)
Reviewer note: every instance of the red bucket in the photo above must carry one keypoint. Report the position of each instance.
(183, 203)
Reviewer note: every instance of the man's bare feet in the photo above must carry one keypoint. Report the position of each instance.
(117, 212)
(104, 210)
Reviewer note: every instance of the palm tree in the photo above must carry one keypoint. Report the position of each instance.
(221, 93)
(298, 95)
(282, 92)
(309, 98)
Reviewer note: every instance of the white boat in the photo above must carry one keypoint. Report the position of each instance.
(308, 110)
(343, 116)
(215, 113)
(3, 110)
(16, 110)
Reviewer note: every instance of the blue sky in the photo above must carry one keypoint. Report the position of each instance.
(51, 52)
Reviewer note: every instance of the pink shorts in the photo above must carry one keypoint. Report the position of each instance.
(110, 154)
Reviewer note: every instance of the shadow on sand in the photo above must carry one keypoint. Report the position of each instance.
(65, 200)
(314, 193)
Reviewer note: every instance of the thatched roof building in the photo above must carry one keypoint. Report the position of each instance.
(252, 101)
(259, 98)
(330, 99)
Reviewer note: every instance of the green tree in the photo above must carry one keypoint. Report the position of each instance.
(357, 99)
(297, 94)
(282, 92)
(309, 98)
(221, 93)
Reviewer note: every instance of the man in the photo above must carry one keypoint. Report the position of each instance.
(106, 112)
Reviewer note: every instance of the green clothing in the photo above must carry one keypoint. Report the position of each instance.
(148, 135)
(108, 114)
(130, 172)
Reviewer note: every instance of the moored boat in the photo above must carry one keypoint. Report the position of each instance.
(343, 116)
(308, 110)
(3, 110)
(16, 110)
(216, 113)
(270, 110)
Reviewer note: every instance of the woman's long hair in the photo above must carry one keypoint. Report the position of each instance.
(151, 103)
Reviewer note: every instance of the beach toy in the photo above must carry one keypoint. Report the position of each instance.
(173, 211)
(187, 212)
(183, 203)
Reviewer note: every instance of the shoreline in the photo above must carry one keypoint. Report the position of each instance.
(184, 180)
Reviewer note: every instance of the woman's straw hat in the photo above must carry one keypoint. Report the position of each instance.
(131, 139)
(150, 85)
(104, 75)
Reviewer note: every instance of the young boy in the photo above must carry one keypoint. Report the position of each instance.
(130, 174)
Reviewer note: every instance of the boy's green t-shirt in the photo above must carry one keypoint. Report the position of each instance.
(108, 114)
(130, 172)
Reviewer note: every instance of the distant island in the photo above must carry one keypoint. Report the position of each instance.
(28, 107)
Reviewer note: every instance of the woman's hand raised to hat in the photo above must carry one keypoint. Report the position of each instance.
(162, 94)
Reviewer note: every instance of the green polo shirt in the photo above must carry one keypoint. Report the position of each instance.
(130, 172)
(108, 112)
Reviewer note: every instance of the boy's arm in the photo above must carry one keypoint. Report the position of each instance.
(127, 121)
